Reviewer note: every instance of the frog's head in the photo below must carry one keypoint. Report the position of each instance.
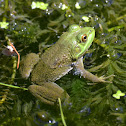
(81, 41)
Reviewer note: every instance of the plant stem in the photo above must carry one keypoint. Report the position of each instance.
(12, 86)
(6, 7)
(62, 116)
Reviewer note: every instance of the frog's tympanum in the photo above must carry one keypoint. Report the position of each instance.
(66, 54)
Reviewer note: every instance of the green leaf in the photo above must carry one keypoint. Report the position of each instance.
(4, 24)
(64, 7)
(118, 94)
(85, 18)
(77, 5)
(40, 5)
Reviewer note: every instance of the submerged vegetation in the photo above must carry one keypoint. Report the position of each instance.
(33, 28)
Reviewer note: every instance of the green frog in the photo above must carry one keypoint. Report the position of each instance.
(63, 56)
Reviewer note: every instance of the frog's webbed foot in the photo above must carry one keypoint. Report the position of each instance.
(48, 92)
(86, 74)
(103, 80)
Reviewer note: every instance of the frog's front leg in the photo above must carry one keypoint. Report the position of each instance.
(48, 92)
(80, 69)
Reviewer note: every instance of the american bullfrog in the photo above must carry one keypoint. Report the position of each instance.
(66, 54)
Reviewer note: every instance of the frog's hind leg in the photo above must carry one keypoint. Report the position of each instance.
(27, 64)
(48, 92)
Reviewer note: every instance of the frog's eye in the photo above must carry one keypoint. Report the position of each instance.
(84, 37)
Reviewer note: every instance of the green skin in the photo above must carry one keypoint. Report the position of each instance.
(56, 62)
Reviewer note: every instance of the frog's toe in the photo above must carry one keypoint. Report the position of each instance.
(48, 92)
(105, 78)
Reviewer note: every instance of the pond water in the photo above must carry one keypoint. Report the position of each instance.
(35, 26)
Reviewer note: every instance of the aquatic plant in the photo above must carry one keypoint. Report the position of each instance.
(33, 29)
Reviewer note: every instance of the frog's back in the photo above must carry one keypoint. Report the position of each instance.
(55, 62)
(59, 53)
